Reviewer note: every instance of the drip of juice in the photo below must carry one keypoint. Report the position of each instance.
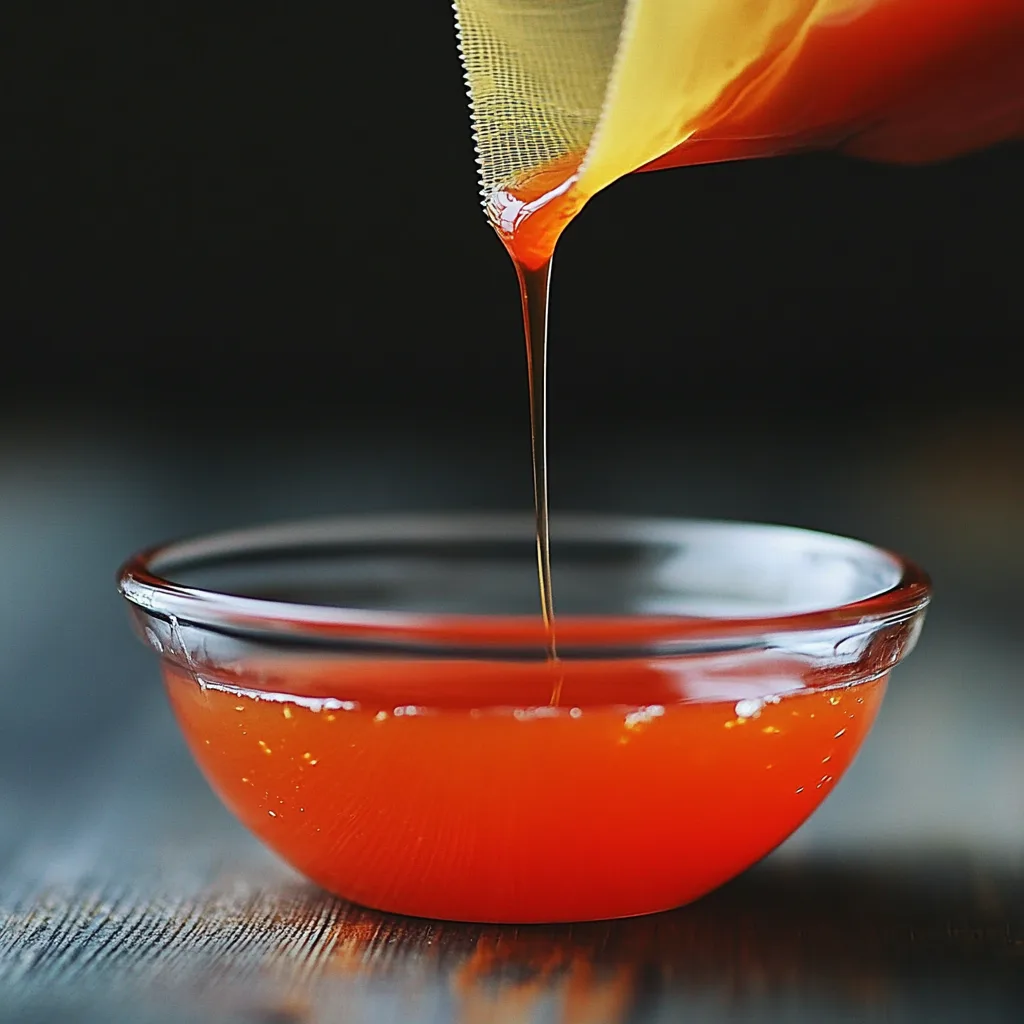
(533, 289)
(509, 213)
(451, 789)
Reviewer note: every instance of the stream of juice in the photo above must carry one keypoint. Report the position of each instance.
(533, 289)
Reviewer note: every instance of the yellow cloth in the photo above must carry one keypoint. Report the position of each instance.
(613, 83)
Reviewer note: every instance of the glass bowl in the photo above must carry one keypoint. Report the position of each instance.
(373, 698)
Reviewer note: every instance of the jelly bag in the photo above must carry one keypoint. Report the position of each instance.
(569, 95)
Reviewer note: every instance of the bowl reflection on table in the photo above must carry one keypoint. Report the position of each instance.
(374, 700)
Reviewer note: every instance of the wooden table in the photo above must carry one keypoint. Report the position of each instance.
(128, 894)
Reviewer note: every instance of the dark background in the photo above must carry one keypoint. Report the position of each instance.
(276, 216)
(247, 278)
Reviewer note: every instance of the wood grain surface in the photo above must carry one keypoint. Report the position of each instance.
(801, 942)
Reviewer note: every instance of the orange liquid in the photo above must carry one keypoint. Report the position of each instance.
(905, 81)
(388, 784)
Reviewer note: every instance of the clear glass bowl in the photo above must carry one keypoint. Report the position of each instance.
(372, 697)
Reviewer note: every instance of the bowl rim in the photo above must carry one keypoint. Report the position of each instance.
(141, 581)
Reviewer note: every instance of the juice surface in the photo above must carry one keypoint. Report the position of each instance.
(452, 789)
(907, 81)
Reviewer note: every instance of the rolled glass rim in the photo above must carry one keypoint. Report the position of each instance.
(146, 581)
